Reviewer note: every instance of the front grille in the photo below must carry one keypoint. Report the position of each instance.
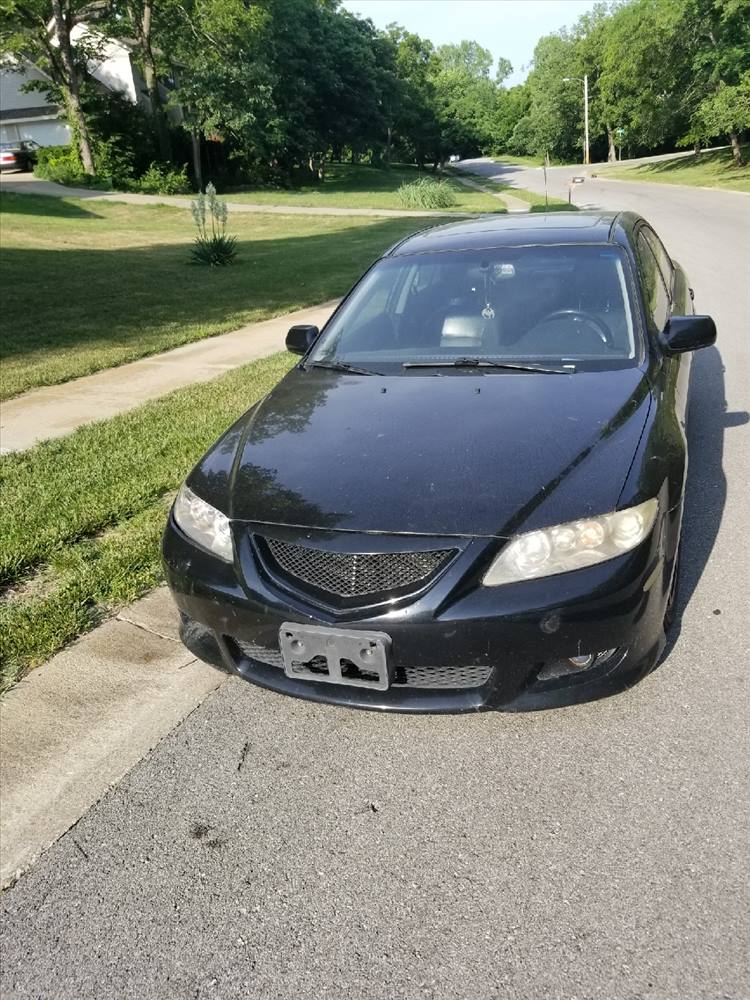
(417, 677)
(263, 654)
(447, 677)
(348, 575)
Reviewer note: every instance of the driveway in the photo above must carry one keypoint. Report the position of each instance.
(271, 848)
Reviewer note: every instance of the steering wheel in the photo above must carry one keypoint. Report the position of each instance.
(579, 316)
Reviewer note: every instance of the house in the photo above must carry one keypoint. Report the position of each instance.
(27, 116)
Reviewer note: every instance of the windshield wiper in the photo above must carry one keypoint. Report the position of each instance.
(340, 366)
(479, 363)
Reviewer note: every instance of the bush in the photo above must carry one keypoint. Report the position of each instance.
(425, 192)
(62, 165)
(160, 179)
(212, 245)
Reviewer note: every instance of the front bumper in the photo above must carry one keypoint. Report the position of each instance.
(515, 630)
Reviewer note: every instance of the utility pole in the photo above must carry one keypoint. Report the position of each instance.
(586, 154)
(585, 82)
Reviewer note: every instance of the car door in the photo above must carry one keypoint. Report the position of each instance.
(665, 291)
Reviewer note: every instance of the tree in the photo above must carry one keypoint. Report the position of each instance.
(717, 34)
(644, 71)
(416, 122)
(39, 32)
(218, 53)
(466, 97)
(726, 111)
(555, 117)
(140, 14)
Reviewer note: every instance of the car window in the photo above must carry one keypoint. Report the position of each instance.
(662, 257)
(655, 294)
(556, 303)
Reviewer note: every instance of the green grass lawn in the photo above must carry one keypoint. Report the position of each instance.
(707, 169)
(536, 201)
(349, 186)
(89, 285)
(82, 516)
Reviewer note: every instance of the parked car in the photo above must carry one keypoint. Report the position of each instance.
(468, 493)
(18, 155)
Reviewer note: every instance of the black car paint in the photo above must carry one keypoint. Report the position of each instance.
(622, 442)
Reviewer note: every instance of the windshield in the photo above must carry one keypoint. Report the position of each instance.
(559, 305)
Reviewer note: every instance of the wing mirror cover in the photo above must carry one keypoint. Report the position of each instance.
(688, 333)
(300, 338)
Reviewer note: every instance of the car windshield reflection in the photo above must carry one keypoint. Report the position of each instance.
(556, 307)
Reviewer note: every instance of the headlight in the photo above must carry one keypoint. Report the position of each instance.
(571, 546)
(206, 525)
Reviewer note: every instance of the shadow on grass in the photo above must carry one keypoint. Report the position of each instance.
(344, 178)
(15, 203)
(125, 303)
(721, 160)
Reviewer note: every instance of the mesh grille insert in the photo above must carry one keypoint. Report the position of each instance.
(358, 574)
(419, 677)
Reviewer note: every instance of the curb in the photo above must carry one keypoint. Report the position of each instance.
(72, 729)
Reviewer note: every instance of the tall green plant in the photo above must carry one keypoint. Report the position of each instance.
(212, 245)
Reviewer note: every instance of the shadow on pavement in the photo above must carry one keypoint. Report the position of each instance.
(706, 491)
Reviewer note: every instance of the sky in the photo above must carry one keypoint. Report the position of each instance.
(509, 28)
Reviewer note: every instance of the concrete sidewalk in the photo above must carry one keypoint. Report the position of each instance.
(75, 726)
(512, 203)
(55, 410)
(28, 184)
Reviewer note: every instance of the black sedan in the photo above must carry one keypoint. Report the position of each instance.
(468, 493)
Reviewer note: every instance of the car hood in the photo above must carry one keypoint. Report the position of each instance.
(441, 455)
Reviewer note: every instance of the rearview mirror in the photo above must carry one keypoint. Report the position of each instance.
(688, 333)
(300, 338)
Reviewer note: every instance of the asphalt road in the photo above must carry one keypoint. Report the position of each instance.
(270, 848)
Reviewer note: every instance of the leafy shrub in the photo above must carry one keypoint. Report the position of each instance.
(212, 245)
(425, 192)
(62, 165)
(160, 179)
(113, 161)
(58, 163)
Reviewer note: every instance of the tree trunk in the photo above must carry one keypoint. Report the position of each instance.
(611, 150)
(736, 148)
(71, 89)
(197, 170)
(143, 25)
(388, 146)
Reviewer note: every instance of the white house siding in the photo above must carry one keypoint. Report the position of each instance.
(28, 115)
(11, 95)
(113, 67)
(51, 132)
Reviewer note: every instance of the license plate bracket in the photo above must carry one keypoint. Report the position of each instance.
(336, 656)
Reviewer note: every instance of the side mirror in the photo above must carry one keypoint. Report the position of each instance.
(687, 333)
(300, 339)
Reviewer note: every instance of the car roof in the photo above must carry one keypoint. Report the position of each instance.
(520, 229)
